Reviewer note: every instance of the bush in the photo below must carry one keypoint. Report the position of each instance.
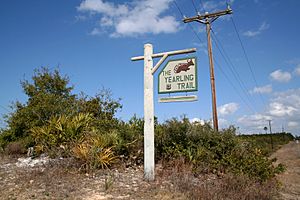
(93, 152)
(15, 148)
(229, 186)
(268, 143)
(58, 136)
(211, 151)
(48, 95)
(131, 137)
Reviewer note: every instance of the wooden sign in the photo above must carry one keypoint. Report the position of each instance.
(178, 76)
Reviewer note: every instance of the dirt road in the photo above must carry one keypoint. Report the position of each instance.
(289, 155)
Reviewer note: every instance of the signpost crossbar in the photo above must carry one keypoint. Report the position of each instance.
(170, 53)
(159, 63)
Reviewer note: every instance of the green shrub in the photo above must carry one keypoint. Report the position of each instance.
(130, 141)
(48, 95)
(93, 152)
(268, 143)
(50, 98)
(61, 133)
(212, 151)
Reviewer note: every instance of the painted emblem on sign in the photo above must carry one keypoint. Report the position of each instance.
(183, 66)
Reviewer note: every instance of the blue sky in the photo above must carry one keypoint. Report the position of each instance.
(92, 42)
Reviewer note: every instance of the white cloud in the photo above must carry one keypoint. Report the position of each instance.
(281, 76)
(280, 110)
(293, 61)
(224, 123)
(253, 123)
(139, 17)
(283, 110)
(288, 98)
(201, 47)
(293, 124)
(227, 109)
(285, 107)
(262, 90)
(264, 26)
(214, 5)
(99, 6)
(197, 120)
(256, 120)
(96, 31)
(297, 70)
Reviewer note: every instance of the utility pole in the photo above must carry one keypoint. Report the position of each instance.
(270, 127)
(208, 19)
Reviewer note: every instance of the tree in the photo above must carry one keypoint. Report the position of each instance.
(102, 107)
(49, 94)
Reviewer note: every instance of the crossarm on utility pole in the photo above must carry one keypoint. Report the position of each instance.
(207, 16)
(170, 53)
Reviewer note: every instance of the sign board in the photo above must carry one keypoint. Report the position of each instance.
(177, 99)
(178, 76)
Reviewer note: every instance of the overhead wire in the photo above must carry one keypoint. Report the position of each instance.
(231, 66)
(189, 25)
(201, 2)
(193, 2)
(247, 59)
(233, 86)
(218, 65)
(4, 108)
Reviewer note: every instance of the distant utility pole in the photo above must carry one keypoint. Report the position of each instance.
(208, 19)
(270, 127)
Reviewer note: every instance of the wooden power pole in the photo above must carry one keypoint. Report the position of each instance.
(270, 128)
(208, 19)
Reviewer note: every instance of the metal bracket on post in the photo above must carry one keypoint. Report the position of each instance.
(149, 71)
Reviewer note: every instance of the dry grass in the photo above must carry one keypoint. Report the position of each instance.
(15, 148)
(61, 179)
(217, 187)
(289, 155)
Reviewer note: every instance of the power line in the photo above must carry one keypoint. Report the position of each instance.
(247, 58)
(189, 25)
(193, 2)
(4, 108)
(208, 19)
(178, 8)
(231, 66)
(218, 65)
(230, 82)
(202, 4)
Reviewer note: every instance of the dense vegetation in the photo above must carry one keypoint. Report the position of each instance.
(268, 143)
(62, 124)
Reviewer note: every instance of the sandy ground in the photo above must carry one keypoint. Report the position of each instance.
(23, 179)
(289, 155)
(54, 179)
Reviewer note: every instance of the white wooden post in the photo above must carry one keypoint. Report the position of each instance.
(149, 70)
(148, 114)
